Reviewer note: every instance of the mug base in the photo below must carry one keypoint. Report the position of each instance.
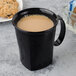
(37, 67)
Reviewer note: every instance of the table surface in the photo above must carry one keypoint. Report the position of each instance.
(64, 55)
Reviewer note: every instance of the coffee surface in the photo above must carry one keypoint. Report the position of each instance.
(35, 23)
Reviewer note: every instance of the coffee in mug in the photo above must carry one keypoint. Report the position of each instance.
(35, 23)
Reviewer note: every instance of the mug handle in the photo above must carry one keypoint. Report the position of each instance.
(62, 32)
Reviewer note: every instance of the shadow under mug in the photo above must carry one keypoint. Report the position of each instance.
(36, 48)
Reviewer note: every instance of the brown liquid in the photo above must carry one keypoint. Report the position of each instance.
(35, 23)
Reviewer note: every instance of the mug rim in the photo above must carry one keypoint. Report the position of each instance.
(24, 10)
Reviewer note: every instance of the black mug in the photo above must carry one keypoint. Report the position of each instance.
(36, 48)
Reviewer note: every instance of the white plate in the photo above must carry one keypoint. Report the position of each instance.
(20, 8)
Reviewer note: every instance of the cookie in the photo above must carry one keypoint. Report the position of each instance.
(8, 8)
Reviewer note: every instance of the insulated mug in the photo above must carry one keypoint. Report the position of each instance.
(36, 48)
